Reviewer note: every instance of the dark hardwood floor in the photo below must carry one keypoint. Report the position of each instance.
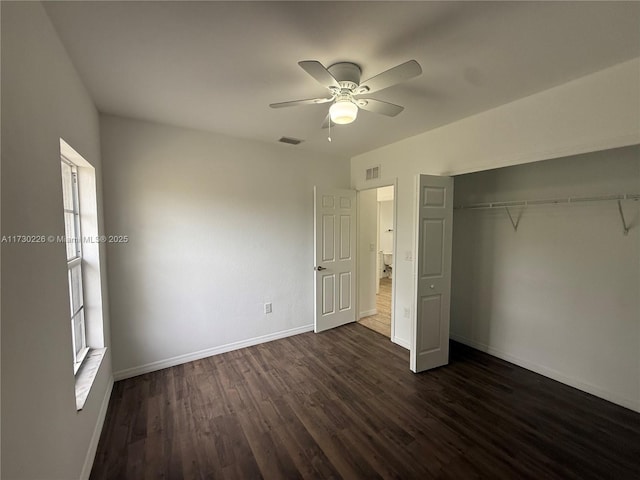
(343, 404)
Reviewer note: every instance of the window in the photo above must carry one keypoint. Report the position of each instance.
(74, 260)
(83, 245)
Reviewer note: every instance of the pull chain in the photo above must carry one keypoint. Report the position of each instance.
(329, 137)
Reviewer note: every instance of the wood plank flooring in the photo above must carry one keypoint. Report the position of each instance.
(343, 404)
(381, 321)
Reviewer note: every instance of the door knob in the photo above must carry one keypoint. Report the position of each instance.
(320, 268)
(432, 286)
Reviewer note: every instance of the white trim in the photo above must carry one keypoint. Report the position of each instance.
(550, 373)
(378, 183)
(190, 357)
(95, 438)
(415, 239)
(368, 313)
(401, 342)
(394, 261)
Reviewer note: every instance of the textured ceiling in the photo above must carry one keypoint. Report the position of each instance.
(218, 65)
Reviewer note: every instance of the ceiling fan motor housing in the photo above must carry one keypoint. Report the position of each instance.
(347, 74)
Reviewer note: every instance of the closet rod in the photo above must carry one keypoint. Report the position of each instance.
(524, 203)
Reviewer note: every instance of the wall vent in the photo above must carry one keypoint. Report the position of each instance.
(373, 173)
(290, 141)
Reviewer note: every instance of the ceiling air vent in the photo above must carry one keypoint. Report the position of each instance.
(373, 173)
(290, 141)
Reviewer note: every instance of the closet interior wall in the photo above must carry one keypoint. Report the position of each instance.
(560, 295)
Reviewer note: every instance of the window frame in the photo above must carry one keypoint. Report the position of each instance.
(75, 263)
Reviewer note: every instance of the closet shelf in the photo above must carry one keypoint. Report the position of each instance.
(550, 201)
(554, 201)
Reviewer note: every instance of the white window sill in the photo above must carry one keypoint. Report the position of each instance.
(87, 374)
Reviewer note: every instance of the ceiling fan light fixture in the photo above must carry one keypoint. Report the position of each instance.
(343, 112)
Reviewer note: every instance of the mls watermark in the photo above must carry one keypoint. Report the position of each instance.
(64, 239)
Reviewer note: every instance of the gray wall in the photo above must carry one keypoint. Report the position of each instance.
(43, 99)
(217, 226)
(561, 295)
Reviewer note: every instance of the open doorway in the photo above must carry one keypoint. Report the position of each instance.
(375, 259)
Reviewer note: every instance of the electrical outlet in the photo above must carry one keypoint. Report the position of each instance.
(268, 308)
(407, 312)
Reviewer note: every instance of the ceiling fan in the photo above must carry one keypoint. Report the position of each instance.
(343, 81)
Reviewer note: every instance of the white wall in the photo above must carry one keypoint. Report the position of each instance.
(367, 256)
(386, 226)
(560, 295)
(43, 99)
(217, 226)
(594, 112)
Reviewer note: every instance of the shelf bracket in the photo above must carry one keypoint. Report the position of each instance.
(625, 227)
(516, 222)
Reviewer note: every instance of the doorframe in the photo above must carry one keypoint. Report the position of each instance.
(370, 185)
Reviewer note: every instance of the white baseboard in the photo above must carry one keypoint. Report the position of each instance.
(550, 373)
(368, 313)
(401, 342)
(95, 437)
(190, 357)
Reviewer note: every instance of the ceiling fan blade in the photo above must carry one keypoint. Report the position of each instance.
(319, 72)
(390, 77)
(378, 106)
(293, 103)
(327, 119)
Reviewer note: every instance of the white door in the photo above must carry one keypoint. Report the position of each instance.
(430, 344)
(335, 262)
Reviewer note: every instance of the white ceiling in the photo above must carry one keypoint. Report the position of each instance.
(218, 65)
